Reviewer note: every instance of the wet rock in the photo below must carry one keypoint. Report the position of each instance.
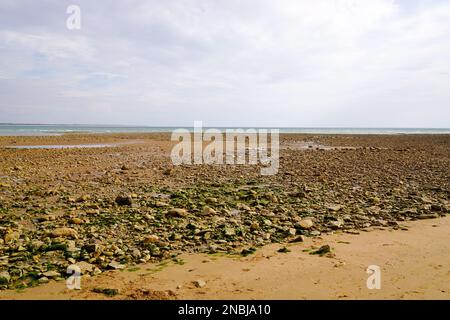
(322, 250)
(106, 291)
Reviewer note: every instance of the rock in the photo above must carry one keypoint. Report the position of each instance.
(292, 231)
(428, 216)
(337, 224)
(4, 277)
(211, 200)
(124, 200)
(76, 221)
(244, 207)
(408, 211)
(306, 224)
(150, 239)
(136, 254)
(85, 267)
(168, 171)
(229, 231)
(177, 213)
(83, 198)
(334, 207)
(11, 236)
(284, 250)
(92, 211)
(106, 291)
(161, 204)
(436, 207)
(199, 283)
(374, 210)
(64, 233)
(254, 226)
(43, 280)
(322, 250)
(300, 238)
(116, 265)
(51, 274)
(207, 211)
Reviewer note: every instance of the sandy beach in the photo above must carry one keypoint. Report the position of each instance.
(150, 230)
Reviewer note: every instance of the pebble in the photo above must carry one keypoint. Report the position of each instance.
(199, 283)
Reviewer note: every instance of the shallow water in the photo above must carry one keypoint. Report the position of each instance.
(72, 146)
(56, 130)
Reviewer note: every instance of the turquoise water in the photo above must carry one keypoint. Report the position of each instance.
(45, 130)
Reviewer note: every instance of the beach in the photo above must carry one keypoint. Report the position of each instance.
(117, 207)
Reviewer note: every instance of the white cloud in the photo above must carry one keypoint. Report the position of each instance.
(274, 63)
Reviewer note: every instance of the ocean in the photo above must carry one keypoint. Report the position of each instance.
(58, 129)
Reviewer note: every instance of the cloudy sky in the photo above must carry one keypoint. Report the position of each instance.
(277, 63)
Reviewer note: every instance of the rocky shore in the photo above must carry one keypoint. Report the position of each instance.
(115, 207)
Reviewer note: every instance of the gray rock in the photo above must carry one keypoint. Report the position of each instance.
(4, 277)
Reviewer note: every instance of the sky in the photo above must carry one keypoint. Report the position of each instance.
(254, 63)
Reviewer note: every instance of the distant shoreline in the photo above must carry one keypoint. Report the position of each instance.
(8, 129)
